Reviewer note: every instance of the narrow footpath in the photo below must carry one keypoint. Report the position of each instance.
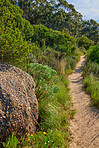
(84, 127)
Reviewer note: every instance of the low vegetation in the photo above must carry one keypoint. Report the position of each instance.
(91, 74)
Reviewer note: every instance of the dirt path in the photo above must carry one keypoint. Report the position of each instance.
(85, 126)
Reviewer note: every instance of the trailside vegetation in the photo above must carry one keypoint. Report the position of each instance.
(91, 74)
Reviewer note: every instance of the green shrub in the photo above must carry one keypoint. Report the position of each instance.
(46, 87)
(85, 42)
(70, 62)
(93, 55)
(92, 87)
(45, 79)
(54, 112)
(13, 48)
(58, 40)
(91, 68)
(91, 74)
(13, 14)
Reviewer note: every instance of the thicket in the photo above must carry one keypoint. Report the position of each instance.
(85, 42)
(55, 47)
(47, 37)
(13, 47)
(17, 20)
(93, 55)
(91, 74)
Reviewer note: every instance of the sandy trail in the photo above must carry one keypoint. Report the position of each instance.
(85, 125)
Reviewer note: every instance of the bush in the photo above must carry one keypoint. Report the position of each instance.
(91, 68)
(13, 48)
(92, 87)
(45, 79)
(54, 107)
(91, 74)
(46, 87)
(70, 63)
(85, 42)
(93, 55)
(58, 40)
(14, 16)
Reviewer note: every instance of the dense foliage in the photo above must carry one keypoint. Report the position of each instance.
(90, 28)
(91, 74)
(58, 15)
(13, 47)
(15, 18)
(84, 42)
(55, 14)
(93, 54)
(55, 39)
(49, 46)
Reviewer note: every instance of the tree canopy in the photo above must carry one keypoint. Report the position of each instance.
(58, 15)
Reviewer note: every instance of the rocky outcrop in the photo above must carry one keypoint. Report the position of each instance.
(18, 103)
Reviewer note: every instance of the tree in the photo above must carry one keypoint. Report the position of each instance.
(53, 14)
(91, 30)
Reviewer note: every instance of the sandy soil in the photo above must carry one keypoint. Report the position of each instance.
(84, 127)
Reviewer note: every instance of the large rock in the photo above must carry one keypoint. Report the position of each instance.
(18, 103)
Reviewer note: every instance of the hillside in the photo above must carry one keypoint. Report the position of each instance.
(46, 39)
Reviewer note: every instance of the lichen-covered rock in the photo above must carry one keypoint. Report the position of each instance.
(18, 103)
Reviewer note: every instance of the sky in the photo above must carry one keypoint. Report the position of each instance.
(88, 8)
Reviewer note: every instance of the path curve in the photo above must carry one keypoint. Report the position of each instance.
(84, 127)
